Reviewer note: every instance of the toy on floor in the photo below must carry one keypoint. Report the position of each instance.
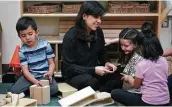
(41, 94)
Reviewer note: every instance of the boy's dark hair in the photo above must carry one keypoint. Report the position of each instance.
(151, 46)
(90, 8)
(129, 34)
(24, 22)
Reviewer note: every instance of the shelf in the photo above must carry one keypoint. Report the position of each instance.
(106, 15)
(53, 39)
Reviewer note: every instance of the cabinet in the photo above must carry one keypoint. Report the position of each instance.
(53, 26)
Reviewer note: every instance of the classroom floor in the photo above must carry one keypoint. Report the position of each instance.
(4, 87)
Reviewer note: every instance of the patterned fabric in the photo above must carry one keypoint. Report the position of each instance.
(130, 70)
(36, 58)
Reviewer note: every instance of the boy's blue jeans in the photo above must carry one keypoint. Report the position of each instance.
(23, 85)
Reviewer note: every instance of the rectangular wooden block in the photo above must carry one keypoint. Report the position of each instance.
(46, 95)
(102, 98)
(38, 94)
(32, 91)
(2, 99)
(66, 89)
(41, 94)
(45, 82)
(78, 98)
(24, 102)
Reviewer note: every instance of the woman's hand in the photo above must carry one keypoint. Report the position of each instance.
(110, 67)
(101, 70)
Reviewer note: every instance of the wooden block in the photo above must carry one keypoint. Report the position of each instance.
(15, 99)
(103, 98)
(24, 102)
(46, 95)
(32, 91)
(42, 94)
(8, 100)
(45, 82)
(79, 98)
(66, 89)
(2, 99)
(38, 94)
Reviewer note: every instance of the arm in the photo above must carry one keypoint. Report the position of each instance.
(111, 41)
(51, 66)
(135, 82)
(50, 55)
(28, 75)
(25, 69)
(167, 52)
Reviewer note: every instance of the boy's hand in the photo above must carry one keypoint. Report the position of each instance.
(39, 84)
(48, 75)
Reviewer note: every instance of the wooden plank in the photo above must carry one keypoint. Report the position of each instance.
(66, 89)
(24, 102)
(107, 22)
(75, 98)
(105, 26)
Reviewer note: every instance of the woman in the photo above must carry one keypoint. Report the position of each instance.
(85, 62)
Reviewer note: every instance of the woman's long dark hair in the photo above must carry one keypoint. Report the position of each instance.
(129, 34)
(89, 8)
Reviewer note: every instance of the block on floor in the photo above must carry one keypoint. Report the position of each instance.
(66, 89)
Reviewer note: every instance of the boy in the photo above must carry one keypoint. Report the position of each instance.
(36, 58)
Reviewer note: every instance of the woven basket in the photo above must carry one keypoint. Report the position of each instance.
(71, 8)
(128, 8)
(44, 8)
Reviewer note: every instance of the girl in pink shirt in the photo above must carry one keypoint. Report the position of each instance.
(151, 76)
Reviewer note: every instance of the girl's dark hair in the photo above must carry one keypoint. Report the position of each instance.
(129, 34)
(24, 22)
(147, 27)
(89, 8)
(151, 46)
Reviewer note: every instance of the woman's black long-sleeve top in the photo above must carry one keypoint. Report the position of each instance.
(78, 58)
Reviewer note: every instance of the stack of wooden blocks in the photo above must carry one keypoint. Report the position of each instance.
(41, 94)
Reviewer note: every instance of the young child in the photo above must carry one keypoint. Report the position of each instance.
(36, 58)
(129, 54)
(151, 75)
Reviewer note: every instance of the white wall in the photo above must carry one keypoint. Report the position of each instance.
(166, 36)
(9, 13)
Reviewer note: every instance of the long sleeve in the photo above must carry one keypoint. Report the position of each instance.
(70, 68)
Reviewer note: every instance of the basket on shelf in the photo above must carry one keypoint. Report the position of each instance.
(44, 8)
(126, 7)
(71, 7)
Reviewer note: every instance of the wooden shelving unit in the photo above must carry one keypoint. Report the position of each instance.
(0, 49)
(123, 19)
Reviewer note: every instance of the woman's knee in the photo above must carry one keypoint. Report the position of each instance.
(94, 83)
(115, 94)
